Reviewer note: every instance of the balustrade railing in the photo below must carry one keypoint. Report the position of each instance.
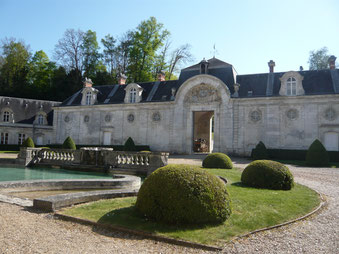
(96, 158)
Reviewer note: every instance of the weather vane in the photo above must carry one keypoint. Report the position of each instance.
(215, 51)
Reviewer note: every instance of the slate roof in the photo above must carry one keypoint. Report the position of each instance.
(314, 82)
(25, 110)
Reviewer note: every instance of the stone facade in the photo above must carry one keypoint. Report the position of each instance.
(27, 118)
(209, 102)
(280, 121)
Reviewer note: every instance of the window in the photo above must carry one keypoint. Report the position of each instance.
(88, 98)
(40, 119)
(132, 95)
(21, 138)
(6, 116)
(291, 86)
(4, 138)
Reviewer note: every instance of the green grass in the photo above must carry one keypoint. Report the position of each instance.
(252, 209)
(303, 163)
(9, 151)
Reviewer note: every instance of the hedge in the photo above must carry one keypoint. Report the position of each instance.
(115, 147)
(299, 155)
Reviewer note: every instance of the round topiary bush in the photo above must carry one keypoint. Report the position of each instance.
(184, 194)
(267, 174)
(217, 160)
(317, 155)
(259, 152)
(129, 145)
(69, 144)
(28, 142)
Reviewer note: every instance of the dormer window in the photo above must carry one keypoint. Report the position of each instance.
(204, 66)
(291, 86)
(40, 119)
(132, 95)
(88, 98)
(6, 116)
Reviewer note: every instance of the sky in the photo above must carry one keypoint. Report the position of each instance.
(246, 33)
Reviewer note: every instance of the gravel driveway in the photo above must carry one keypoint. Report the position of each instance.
(22, 231)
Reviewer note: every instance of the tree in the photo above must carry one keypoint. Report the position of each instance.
(181, 55)
(160, 63)
(318, 59)
(90, 51)
(40, 73)
(146, 40)
(110, 54)
(15, 66)
(69, 50)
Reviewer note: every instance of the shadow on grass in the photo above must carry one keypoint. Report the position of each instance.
(129, 218)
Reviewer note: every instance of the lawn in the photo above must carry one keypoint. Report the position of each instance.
(252, 209)
(9, 151)
(303, 163)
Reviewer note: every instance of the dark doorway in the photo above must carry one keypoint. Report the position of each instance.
(203, 131)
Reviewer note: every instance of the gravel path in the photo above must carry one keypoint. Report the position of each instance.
(22, 231)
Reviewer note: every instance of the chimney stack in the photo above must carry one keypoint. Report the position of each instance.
(271, 64)
(161, 76)
(331, 62)
(88, 82)
(122, 79)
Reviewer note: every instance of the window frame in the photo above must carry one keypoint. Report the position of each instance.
(291, 86)
(21, 138)
(41, 119)
(133, 95)
(4, 138)
(88, 98)
(6, 116)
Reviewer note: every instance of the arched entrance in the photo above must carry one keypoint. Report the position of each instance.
(203, 132)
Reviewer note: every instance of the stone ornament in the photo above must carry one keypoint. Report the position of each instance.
(156, 117)
(130, 118)
(330, 114)
(255, 116)
(202, 94)
(107, 118)
(66, 119)
(292, 114)
(86, 119)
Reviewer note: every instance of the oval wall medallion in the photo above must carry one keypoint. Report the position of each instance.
(255, 116)
(130, 118)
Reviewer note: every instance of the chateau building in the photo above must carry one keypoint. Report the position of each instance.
(209, 108)
(22, 118)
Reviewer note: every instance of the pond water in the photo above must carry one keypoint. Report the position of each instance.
(20, 174)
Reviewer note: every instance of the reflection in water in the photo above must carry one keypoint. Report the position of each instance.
(18, 174)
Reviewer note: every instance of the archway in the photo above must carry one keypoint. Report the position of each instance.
(203, 133)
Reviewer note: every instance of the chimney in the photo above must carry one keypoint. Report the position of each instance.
(122, 79)
(331, 62)
(161, 76)
(271, 64)
(88, 82)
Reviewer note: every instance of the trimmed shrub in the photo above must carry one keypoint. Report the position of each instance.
(317, 155)
(217, 160)
(69, 144)
(184, 194)
(129, 145)
(28, 142)
(259, 152)
(267, 174)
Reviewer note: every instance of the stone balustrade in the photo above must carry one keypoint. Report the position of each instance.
(102, 159)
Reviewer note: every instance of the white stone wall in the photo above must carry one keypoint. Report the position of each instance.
(280, 122)
(280, 127)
